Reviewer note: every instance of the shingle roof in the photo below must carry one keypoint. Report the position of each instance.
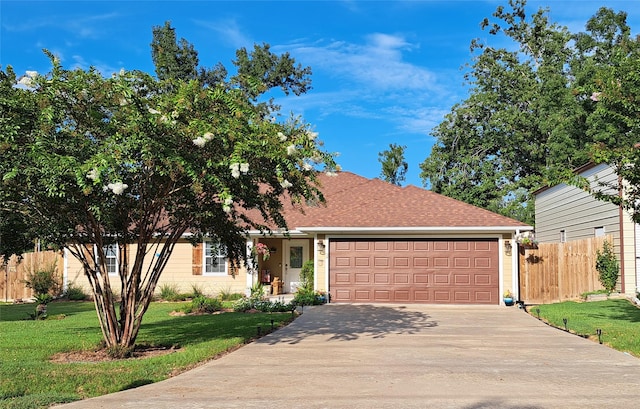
(358, 202)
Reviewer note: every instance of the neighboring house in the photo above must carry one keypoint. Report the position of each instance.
(371, 242)
(566, 213)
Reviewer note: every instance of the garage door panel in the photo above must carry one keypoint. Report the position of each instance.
(441, 279)
(400, 278)
(482, 262)
(482, 279)
(402, 296)
(382, 295)
(362, 278)
(420, 271)
(343, 261)
(381, 262)
(343, 278)
(442, 296)
(421, 296)
(401, 262)
(462, 296)
(381, 278)
(421, 262)
(342, 245)
(441, 246)
(461, 262)
(362, 295)
(381, 246)
(462, 279)
(441, 262)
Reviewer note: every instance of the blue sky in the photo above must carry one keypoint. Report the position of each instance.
(383, 71)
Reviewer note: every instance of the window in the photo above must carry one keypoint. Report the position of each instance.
(295, 257)
(215, 259)
(563, 236)
(112, 259)
(598, 231)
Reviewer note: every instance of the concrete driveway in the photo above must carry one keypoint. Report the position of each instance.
(390, 356)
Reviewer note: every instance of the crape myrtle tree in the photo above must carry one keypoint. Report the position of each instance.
(138, 161)
(520, 123)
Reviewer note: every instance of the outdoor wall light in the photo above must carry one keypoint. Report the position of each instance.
(321, 246)
(507, 248)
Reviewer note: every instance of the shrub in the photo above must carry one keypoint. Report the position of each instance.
(227, 295)
(245, 304)
(257, 291)
(203, 304)
(169, 292)
(196, 291)
(607, 266)
(306, 275)
(44, 281)
(308, 297)
(75, 293)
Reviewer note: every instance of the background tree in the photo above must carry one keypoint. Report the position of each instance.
(17, 116)
(137, 161)
(521, 124)
(609, 63)
(394, 167)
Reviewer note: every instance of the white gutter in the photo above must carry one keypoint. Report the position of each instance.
(482, 229)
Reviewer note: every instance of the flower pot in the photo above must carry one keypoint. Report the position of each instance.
(508, 301)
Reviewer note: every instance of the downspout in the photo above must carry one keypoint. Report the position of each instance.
(65, 270)
(249, 269)
(621, 221)
(515, 265)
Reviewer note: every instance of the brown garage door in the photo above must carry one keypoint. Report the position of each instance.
(414, 271)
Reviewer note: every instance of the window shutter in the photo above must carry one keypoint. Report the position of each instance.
(196, 260)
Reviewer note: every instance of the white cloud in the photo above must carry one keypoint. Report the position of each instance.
(229, 31)
(378, 63)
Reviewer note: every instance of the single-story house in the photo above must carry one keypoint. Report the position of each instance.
(371, 241)
(567, 213)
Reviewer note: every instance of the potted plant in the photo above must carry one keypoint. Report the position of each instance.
(507, 297)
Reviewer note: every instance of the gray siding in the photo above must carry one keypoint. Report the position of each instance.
(568, 208)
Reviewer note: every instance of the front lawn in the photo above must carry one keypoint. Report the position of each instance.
(28, 378)
(618, 319)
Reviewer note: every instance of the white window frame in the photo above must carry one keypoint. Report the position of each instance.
(105, 250)
(207, 245)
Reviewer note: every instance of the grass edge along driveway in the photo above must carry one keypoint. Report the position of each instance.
(617, 319)
(28, 378)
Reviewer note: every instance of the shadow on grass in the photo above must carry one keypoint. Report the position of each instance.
(21, 312)
(347, 322)
(195, 329)
(619, 309)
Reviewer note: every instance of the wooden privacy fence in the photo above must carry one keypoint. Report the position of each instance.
(555, 272)
(14, 273)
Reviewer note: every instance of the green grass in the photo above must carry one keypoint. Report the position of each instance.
(619, 320)
(28, 379)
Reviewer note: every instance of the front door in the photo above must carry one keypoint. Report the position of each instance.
(295, 254)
